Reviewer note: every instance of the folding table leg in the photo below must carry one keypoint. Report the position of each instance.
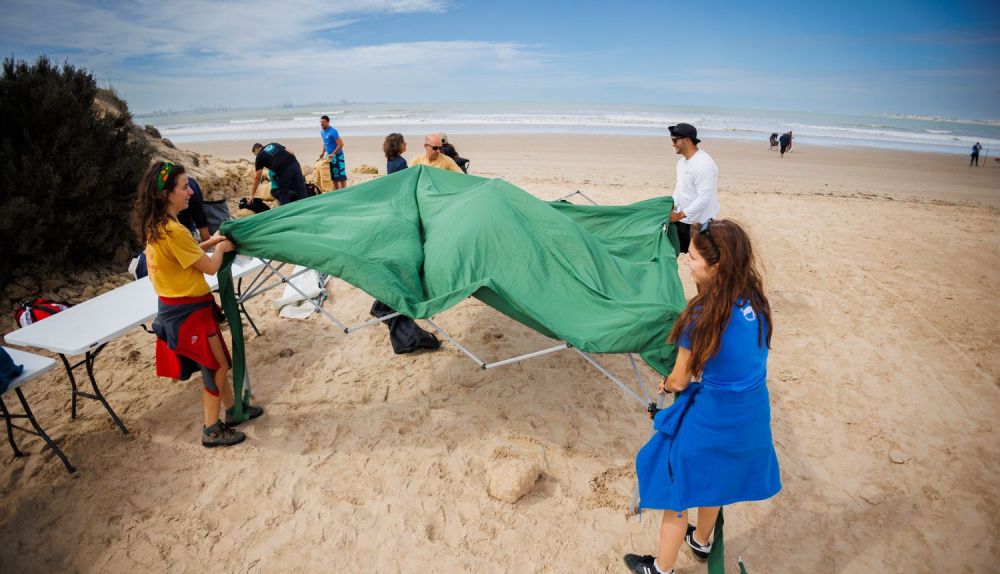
(41, 433)
(10, 431)
(72, 383)
(97, 395)
(97, 392)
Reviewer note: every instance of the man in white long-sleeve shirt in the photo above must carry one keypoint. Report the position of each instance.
(695, 198)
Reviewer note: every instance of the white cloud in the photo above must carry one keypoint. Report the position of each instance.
(189, 52)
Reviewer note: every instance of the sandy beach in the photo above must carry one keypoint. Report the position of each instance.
(884, 378)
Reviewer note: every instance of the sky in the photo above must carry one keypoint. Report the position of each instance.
(880, 56)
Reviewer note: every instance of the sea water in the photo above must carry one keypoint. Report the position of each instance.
(893, 131)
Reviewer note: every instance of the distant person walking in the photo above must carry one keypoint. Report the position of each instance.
(790, 140)
(433, 157)
(974, 159)
(773, 141)
(291, 184)
(333, 148)
(695, 199)
(786, 142)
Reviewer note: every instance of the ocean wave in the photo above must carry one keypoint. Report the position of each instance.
(740, 124)
(945, 119)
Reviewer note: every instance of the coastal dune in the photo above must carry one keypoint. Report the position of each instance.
(882, 269)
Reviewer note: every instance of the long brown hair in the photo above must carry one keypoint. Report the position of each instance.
(736, 278)
(151, 202)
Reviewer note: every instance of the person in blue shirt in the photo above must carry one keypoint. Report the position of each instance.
(713, 445)
(333, 147)
(394, 147)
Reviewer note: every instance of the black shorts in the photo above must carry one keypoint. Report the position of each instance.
(684, 235)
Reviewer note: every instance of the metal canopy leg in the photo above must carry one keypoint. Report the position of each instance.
(611, 377)
(527, 356)
(288, 281)
(97, 395)
(577, 192)
(483, 364)
(468, 353)
(371, 322)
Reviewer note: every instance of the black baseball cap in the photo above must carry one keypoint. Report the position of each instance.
(685, 131)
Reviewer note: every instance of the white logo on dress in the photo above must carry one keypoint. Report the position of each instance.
(194, 339)
(748, 313)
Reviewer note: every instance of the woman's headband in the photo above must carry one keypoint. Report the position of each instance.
(161, 179)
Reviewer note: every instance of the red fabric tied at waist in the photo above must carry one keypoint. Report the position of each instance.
(192, 338)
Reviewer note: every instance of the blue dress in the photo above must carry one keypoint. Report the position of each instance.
(713, 446)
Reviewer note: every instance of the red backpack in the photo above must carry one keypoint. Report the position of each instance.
(36, 310)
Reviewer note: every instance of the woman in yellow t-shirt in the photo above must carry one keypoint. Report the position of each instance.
(186, 326)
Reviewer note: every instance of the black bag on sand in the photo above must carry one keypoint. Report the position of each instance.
(404, 333)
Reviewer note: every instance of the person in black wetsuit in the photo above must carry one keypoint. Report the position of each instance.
(786, 142)
(291, 184)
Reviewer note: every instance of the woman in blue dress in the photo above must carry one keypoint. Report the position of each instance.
(712, 446)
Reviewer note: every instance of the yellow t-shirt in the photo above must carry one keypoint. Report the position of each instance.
(170, 261)
(441, 162)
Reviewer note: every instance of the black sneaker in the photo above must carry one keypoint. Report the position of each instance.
(640, 564)
(220, 435)
(700, 551)
(253, 411)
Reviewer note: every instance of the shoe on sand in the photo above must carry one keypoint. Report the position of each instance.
(220, 435)
(641, 564)
(700, 550)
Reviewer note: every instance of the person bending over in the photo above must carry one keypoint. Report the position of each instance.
(291, 184)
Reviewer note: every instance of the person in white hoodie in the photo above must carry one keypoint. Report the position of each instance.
(695, 192)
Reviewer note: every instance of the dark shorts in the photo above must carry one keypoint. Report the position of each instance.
(338, 167)
(684, 235)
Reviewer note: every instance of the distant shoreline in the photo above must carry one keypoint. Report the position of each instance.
(913, 133)
(533, 162)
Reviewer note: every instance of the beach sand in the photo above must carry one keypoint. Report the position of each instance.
(882, 270)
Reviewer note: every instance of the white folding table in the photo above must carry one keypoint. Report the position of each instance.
(34, 366)
(85, 329)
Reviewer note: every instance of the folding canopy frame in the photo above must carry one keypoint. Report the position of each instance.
(716, 559)
(259, 285)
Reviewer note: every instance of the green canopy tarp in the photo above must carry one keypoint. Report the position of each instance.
(602, 278)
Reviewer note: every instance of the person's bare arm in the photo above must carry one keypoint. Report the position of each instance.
(210, 264)
(212, 241)
(340, 146)
(680, 377)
